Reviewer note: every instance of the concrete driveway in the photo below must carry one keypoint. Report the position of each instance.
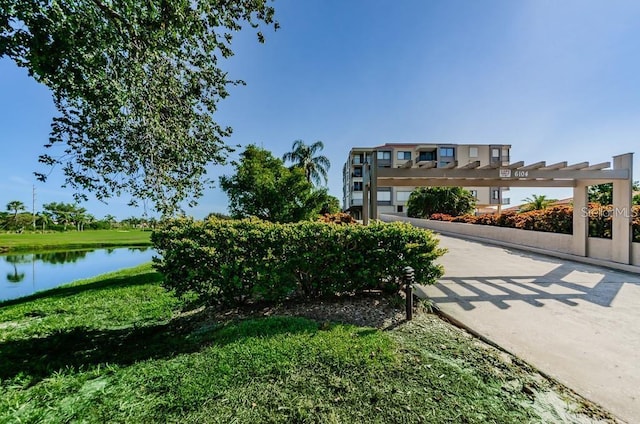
(578, 323)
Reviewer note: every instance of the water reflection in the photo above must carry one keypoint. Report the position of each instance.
(61, 257)
(15, 276)
(46, 270)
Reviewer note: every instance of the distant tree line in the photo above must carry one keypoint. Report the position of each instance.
(62, 216)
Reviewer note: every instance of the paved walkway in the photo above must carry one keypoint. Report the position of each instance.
(576, 322)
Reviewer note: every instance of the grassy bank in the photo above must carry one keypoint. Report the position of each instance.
(12, 242)
(113, 349)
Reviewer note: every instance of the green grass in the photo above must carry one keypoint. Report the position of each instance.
(73, 240)
(112, 349)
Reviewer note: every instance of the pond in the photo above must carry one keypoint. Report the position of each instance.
(22, 274)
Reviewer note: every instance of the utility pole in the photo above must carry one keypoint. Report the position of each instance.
(33, 206)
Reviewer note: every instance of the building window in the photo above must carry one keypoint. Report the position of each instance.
(357, 186)
(357, 159)
(400, 208)
(402, 196)
(473, 152)
(495, 194)
(384, 155)
(404, 155)
(425, 156)
(495, 153)
(357, 172)
(474, 193)
(384, 196)
(447, 151)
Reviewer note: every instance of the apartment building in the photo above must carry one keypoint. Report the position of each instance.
(417, 155)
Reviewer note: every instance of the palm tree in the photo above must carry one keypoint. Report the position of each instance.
(315, 166)
(15, 206)
(45, 220)
(536, 203)
(110, 219)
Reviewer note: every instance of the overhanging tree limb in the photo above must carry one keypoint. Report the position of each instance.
(135, 84)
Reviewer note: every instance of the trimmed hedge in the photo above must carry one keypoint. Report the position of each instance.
(232, 262)
(555, 219)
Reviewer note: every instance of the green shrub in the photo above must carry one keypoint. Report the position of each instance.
(425, 201)
(232, 262)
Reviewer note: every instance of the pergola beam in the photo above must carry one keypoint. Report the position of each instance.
(464, 182)
(427, 164)
(576, 166)
(471, 165)
(598, 166)
(558, 165)
(515, 165)
(490, 166)
(536, 165)
(494, 174)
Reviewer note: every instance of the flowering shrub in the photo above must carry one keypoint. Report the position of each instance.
(441, 217)
(555, 219)
(337, 218)
(471, 219)
(636, 224)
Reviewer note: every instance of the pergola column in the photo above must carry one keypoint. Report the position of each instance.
(365, 204)
(622, 212)
(580, 219)
(374, 185)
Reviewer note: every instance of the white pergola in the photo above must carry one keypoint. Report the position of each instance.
(579, 176)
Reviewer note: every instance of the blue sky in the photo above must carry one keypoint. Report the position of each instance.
(556, 80)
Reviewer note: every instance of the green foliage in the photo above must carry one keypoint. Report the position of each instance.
(263, 187)
(329, 204)
(135, 84)
(603, 193)
(15, 206)
(536, 203)
(67, 213)
(601, 221)
(304, 157)
(216, 215)
(426, 201)
(231, 262)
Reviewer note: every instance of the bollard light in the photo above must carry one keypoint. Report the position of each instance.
(409, 279)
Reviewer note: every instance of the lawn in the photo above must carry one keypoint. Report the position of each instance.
(73, 240)
(114, 349)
